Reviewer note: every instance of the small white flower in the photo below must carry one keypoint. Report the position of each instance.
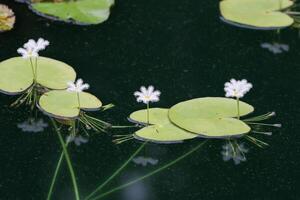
(237, 88)
(78, 86)
(32, 125)
(32, 48)
(237, 154)
(147, 95)
(78, 140)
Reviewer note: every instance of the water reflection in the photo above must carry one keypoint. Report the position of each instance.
(236, 152)
(144, 161)
(33, 125)
(78, 140)
(275, 48)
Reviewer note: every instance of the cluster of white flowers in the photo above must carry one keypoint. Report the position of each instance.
(31, 48)
(77, 86)
(237, 154)
(147, 95)
(237, 88)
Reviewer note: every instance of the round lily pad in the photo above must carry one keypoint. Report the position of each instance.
(166, 133)
(209, 107)
(7, 18)
(265, 14)
(215, 128)
(17, 76)
(79, 11)
(156, 116)
(211, 116)
(64, 105)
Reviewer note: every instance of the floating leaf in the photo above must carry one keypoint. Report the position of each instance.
(166, 133)
(156, 116)
(62, 104)
(262, 14)
(79, 11)
(7, 18)
(17, 76)
(211, 116)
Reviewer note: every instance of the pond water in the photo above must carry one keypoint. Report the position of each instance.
(184, 50)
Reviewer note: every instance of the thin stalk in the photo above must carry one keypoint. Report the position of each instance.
(35, 69)
(55, 174)
(124, 126)
(148, 113)
(151, 173)
(66, 154)
(78, 99)
(238, 106)
(116, 172)
(32, 68)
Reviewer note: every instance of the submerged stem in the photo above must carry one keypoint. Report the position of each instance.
(55, 174)
(66, 154)
(151, 173)
(116, 172)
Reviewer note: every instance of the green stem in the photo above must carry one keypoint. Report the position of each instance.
(78, 99)
(32, 68)
(147, 113)
(151, 173)
(116, 172)
(238, 107)
(66, 154)
(55, 174)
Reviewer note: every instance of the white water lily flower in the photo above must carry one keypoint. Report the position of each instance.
(32, 48)
(78, 86)
(237, 88)
(237, 154)
(147, 95)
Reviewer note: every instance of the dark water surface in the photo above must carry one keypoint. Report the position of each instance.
(183, 49)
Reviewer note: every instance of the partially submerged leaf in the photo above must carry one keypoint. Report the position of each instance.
(79, 11)
(62, 104)
(211, 117)
(156, 116)
(261, 14)
(17, 74)
(7, 18)
(166, 133)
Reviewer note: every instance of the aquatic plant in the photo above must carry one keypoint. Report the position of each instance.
(81, 12)
(257, 14)
(234, 151)
(7, 18)
(275, 48)
(146, 96)
(32, 75)
(33, 125)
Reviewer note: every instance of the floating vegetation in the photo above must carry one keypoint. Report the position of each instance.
(7, 18)
(82, 12)
(257, 14)
(275, 48)
(32, 75)
(33, 125)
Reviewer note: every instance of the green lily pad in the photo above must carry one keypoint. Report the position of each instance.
(264, 14)
(215, 128)
(17, 76)
(62, 104)
(7, 18)
(166, 133)
(79, 11)
(209, 107)
(156, 116)
(211, 116)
